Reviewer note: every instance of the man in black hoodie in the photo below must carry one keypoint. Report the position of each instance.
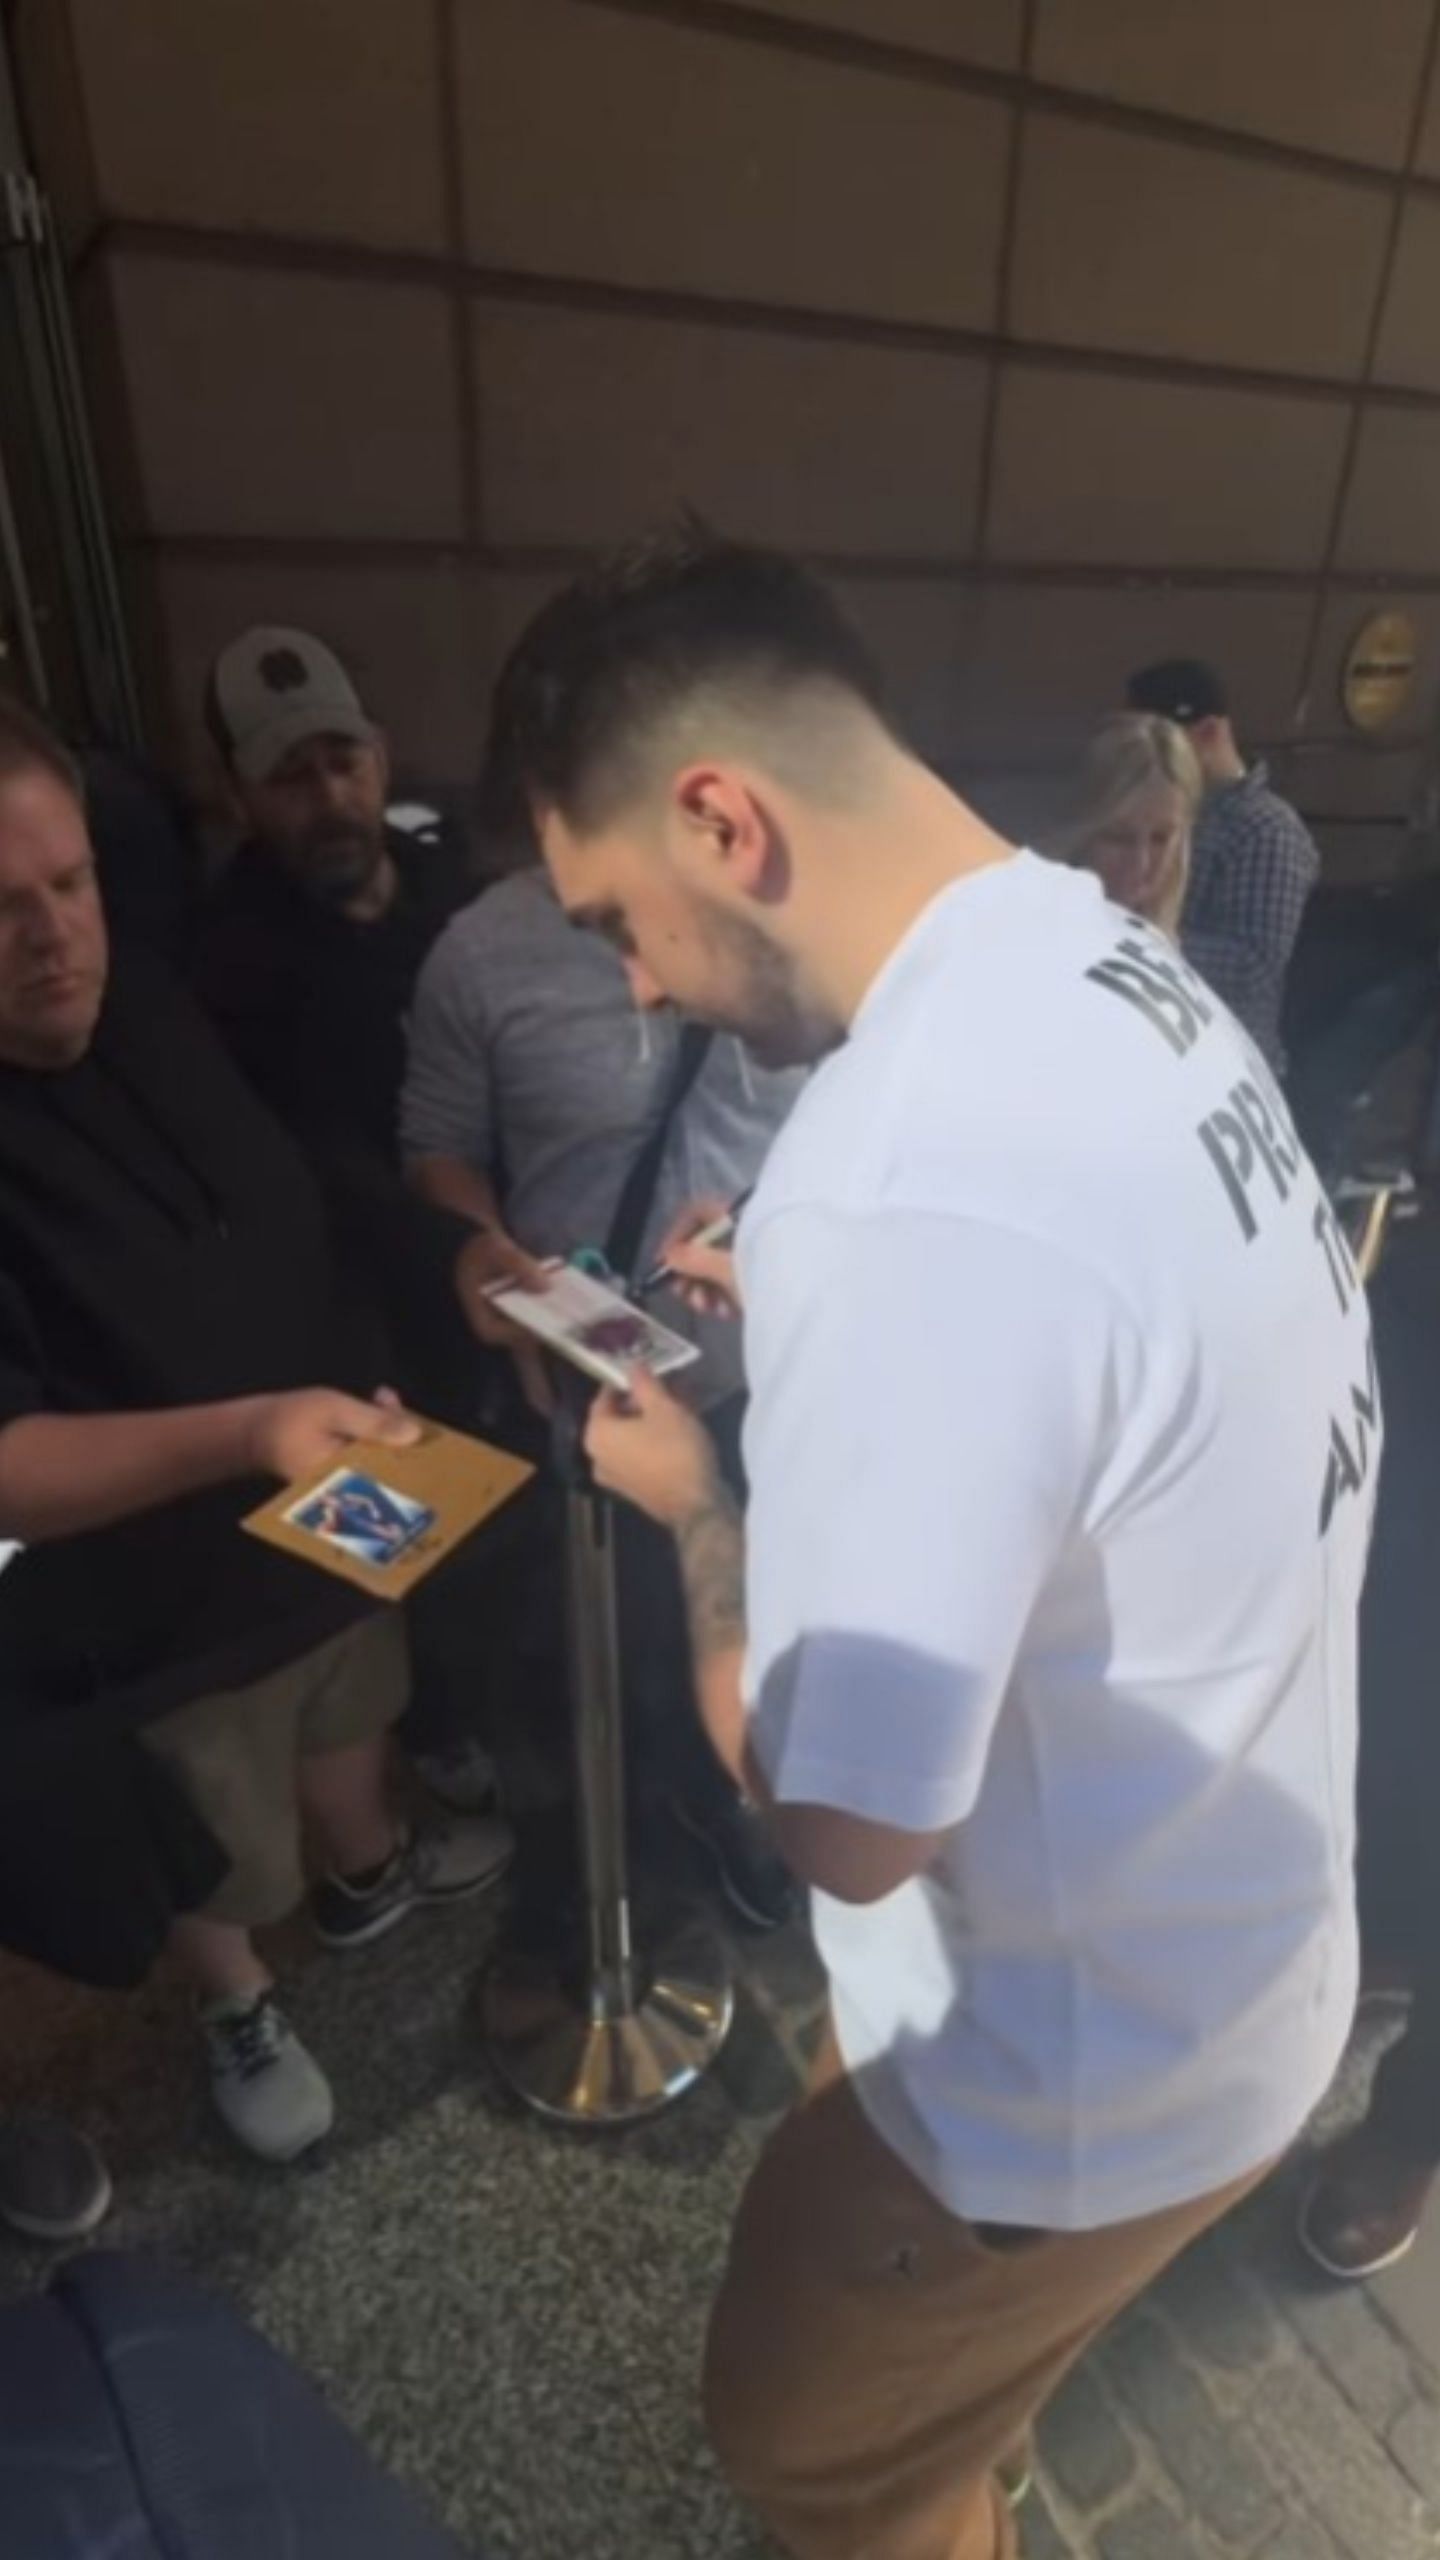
(177, 1693)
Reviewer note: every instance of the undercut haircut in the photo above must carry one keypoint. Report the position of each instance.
(677, 622)
(27, 746)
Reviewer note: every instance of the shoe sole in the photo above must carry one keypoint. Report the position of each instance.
(385, 1921)
(732, 1892)
(1356, 2275)
(272, 2159)
(33, 2226)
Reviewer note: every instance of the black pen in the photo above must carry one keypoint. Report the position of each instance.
(721, 1231)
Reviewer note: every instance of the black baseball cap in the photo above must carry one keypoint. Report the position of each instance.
(1180, 689)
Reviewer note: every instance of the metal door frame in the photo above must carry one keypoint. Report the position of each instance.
(32, 279)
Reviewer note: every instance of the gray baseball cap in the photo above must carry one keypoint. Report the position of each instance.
(270, 690)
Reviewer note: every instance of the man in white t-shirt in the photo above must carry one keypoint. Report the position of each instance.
(1061, 1445)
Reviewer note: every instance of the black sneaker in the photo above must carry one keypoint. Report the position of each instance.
(53, 2183)
(444, 1862)
(749, 1869)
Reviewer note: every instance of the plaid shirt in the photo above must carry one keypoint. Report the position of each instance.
(1253, 864)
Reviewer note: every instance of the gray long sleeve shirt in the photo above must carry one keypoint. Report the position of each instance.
(530, 1063)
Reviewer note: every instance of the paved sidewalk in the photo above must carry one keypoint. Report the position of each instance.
(511, 2318)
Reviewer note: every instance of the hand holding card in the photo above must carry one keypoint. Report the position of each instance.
(294, 1433)
(391, 1513)
(596, 1328)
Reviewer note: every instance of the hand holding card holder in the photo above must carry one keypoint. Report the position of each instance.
(385, 1518)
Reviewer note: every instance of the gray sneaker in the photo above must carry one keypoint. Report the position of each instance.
(53, 2183)
(443, 1862)
(271, 2093)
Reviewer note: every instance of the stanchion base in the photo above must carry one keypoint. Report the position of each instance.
(588, 2070)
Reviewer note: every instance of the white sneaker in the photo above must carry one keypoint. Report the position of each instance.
(271, 2093)
(445, 1862)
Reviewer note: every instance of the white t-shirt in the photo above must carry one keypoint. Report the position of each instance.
(1062, 1444)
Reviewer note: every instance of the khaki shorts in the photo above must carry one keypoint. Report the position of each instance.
(237, 1754)
(873, 2359)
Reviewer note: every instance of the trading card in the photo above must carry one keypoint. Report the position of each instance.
(595, 1327)
(394, 1513)
(363, 1518)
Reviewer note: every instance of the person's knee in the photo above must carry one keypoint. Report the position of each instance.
(265, 1883)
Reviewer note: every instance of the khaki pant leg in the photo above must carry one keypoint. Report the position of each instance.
(234, 1753)
(872, 2357)
(359, 1685)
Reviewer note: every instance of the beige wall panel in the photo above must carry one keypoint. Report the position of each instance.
(270, 404)
(1427, 157)
(1325, 77)
(409, 634)
(1392, 520)
(317, 117)
(1050, 661)
(919, 632)
(592, 424)
(670, 157)
(1091, 467)
(1157, 247)
(984, 31)
(1409, 348)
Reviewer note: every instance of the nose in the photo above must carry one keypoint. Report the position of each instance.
(45, 929)
(333, 794)
(647, 993)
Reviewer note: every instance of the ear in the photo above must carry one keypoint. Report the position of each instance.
(728, 825)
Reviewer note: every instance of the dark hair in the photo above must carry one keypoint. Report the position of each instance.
(647, 627)
(27, 746)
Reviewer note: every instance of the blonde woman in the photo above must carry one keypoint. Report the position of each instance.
(1139, 790)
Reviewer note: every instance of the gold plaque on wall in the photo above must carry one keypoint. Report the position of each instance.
(1379, 672)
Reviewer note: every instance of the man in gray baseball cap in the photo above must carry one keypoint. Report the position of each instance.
(312, 942)
(306, 958)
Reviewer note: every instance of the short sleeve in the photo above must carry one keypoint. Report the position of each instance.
(932, 1401)
(446, 1105)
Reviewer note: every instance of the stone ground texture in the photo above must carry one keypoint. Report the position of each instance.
(511, 2318)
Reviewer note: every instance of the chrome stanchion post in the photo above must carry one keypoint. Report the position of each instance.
(594, 1654)
(639, 2027)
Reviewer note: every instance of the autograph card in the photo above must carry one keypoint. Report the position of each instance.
(361, 1518)
(387, 1517)
(595, 1327)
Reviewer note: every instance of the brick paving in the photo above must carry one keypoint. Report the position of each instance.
(1245, 2411)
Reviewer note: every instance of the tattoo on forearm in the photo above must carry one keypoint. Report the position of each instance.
(711, 1546)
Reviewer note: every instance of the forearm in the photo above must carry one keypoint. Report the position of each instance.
(61, 1473)
(447, 1182)
(710, 1545)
